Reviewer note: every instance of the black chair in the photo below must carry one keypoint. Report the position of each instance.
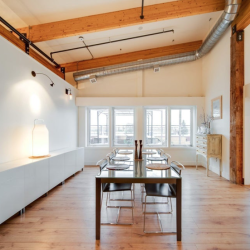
(116, 187)
(166, 157)
(161, 190)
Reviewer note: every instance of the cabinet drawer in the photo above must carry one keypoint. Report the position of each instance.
(201, 142)
(202, 147)
(201, 151)
(200, 137)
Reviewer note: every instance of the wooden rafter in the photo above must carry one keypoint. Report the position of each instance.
(16, 41)
(118, 19)
(131, 57)
(243, 19)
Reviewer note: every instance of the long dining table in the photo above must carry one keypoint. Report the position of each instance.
(138, 173)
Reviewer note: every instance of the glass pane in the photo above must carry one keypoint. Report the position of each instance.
(180, 127)
(155, 127)
(185, 127)
(175, 127)
(124, 127)
(99, 127)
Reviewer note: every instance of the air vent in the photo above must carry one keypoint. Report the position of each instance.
(93, 79)
(156, 69)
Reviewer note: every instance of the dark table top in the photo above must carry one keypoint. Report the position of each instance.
(137, 169)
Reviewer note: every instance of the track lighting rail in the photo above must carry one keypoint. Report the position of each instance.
(115, 41)
(28, 42)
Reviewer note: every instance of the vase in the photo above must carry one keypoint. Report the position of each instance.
(140, 152)
(136, 153)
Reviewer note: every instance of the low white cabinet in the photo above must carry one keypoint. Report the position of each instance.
(69, 164)
(56, 170)
(36, 181)
(23, 181)
(11, 192)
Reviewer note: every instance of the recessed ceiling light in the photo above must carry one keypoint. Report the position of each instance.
(80, 38)
(140, 28)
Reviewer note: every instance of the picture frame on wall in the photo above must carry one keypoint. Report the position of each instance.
(217, 108)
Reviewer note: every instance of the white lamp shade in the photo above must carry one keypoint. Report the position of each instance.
(40, 140)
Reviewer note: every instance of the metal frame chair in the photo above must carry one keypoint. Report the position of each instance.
(161, 190)
(166, 157)
(116, 187)
(110, 156)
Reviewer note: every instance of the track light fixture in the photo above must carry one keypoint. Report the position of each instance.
(68, 92)
(33, 73)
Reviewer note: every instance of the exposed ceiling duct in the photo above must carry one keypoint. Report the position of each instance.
(230, 12)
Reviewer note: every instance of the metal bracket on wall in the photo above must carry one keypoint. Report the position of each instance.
(234, 29)
(27, 48)
(240, 35)
(63, 71)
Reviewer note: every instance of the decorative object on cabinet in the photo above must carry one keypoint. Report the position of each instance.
(40, 140)
(205, 127)
(33, 73)
(217, 108)
(209, 146)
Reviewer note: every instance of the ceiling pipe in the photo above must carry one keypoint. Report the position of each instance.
(230, 12)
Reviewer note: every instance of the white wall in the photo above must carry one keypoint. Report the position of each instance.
(172, 81)
(247, 108)
(216, 82)
(93, 154)
(24, 98)
(149, 88)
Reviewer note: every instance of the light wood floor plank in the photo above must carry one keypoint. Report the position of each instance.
(216, 215)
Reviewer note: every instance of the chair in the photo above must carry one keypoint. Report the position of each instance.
(166, 157)
(116, 187)
(161, 190)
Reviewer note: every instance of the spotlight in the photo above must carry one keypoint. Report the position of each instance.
(68, 92)
(33, 73)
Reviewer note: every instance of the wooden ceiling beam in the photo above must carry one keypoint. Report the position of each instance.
(118, 19)
(21, 45)
(243, 19)
(131, 57)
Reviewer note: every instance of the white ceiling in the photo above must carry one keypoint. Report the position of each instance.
(29, 12)
(43, 11)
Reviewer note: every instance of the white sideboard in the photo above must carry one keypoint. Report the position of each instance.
(23, 181)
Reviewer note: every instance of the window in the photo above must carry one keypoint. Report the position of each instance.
(181, 127)
(156, 129)
(123, 129)
(98, 127)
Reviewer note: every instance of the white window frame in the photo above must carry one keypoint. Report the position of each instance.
(113, 126)
(88, 128)
(191, 108)
(166, 126)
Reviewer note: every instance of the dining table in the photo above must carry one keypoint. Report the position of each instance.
(137, 172)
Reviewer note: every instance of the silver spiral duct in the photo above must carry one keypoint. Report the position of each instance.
(133, 66)
(230, 12)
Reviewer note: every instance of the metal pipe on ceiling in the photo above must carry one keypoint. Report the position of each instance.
(109, 42)
(230, 12)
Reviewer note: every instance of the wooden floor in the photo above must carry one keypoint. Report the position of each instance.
(216, 215)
